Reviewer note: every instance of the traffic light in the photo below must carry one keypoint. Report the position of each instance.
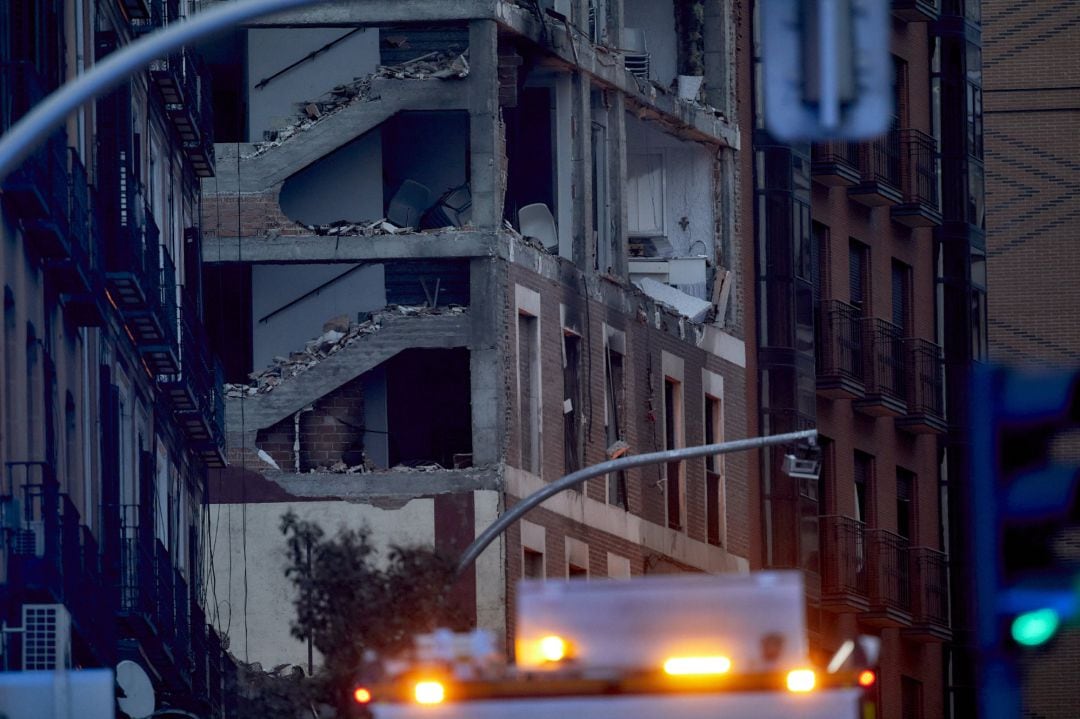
(1020, 502)
(827, 69)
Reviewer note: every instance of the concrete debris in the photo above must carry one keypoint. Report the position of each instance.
(344, 228)
(686, 305)
(330, 342)
(440, 65)
(268, 459)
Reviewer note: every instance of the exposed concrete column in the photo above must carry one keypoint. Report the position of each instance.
(617, 181)
(485, 126)
(719, 37)
(581, 169)
(727, 249)
(487, 307)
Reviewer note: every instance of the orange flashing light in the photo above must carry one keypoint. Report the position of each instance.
(429, 692)
(867, 677)
(801, 680)
(697, 666)
(362, 695)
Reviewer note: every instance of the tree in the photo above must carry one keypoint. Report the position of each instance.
(353, 606)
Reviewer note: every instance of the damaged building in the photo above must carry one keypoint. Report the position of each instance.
(457, 250)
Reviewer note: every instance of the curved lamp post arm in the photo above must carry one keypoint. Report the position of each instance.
(515, 513)
(25, 135)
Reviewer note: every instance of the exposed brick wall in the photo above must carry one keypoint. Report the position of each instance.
(333, 428)
(252, 215)
(1031, 75)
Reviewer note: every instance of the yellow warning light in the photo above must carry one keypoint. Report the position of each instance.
(683, 666)
(362, 695)
(801, 680)
(553, 648)
(429, 692)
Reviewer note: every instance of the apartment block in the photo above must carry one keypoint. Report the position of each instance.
(110, 403)
(458, 250)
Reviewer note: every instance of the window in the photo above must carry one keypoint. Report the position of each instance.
(901, 297)
(573, 429)
(862, 475)
(826, 477)
(819, 261)
(617, 567)
(673, 440)
(715, 490)
(31, 390)
(528, 358)
(645, 194)
(905, 503)
(577, 559)
(614, 408)
(533, 538)
(859, 276)
(911, 698)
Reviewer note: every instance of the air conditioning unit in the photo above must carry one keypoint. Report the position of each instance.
(46, 637)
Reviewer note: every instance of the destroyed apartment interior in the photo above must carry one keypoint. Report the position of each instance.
(456, 255)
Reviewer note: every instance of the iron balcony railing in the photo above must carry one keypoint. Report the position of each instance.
(843, 556)
(138, 587)
(918, 157)
(161, 13)
(165, 589)
(889, 573)
(83, 250)
(835, 152)
(199, 650)
(182, 606)
(840, 340)
(884, 374)
(880, 159)
(930, 586)
(32, 527)
(925, 380)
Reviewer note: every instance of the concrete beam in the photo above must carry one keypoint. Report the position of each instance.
(485, 140)
(321, 248)
(398, 484)
(250, 414)
(687, 119)
(369, 12)
(276, 164)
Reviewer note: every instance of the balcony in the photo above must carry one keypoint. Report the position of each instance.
(134, 9)
(918, 166)
(929, 596)
(79, 275)
(884, 369)
(181, 82)
(159, 13)
(36, 193)
(843, 564)
(916, 10)
(888, 579)
(879, 172)
(195, 391)
(925, 388)
(182, 646)
(155, 325)
(835, 163)
(138, 588)
(839, 350)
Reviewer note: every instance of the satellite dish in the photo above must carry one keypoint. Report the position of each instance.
(138, 701)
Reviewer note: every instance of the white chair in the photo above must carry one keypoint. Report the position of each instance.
(635, 52)
(536, 221)
(408, 204)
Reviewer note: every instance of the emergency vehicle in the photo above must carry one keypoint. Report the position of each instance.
(686, 646)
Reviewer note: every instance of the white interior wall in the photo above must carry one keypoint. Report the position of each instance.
(657, 19)
(688, 187)
(269, 595)
(274, 286)
(376, 437)
(344, 185)
(271, 50)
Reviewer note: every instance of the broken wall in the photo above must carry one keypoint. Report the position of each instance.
(290, 303)
(670, 182)
(354, 52)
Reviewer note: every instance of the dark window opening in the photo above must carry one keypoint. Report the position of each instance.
(613, 378)
(528, 393)
(859, 276)
(532, 564)
(573, 571)
(573, 445)
(863, 476)
(673, 486)
(530, 151)
(227, 296)
(901, 297)
(428, 406)
(905, 503)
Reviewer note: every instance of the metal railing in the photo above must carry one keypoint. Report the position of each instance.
(918, 160)
(182, 606)
(840, 340)
(930, 586)
(138, 590)
(836, 152)
(83, 250)
(165, 617)
(162, 12)
(880, 159)
(843, 556)
(925, 377)
(32, 526)
(889, 572)
(883, 366)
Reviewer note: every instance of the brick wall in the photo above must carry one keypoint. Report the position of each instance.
(252, 215)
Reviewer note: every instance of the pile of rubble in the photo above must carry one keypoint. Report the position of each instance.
(382, 226)
(338, 333)
(441, 65)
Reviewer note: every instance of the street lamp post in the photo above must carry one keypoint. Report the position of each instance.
(516, 512)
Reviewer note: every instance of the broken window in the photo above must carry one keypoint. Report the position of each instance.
(577, 559)
(715, 501)
(673, 439)
(614, 412)
(528, 351)
(572, 428)
(532, 565)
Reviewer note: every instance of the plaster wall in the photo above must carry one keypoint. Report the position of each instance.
(264, 607)
(657, 19)
(278, 331)
(688, 187)
(344, 185)
(271, 50)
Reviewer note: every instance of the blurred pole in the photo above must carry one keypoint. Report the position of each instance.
(25, 135)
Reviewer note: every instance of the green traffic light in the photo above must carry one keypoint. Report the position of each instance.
(1034, 628)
